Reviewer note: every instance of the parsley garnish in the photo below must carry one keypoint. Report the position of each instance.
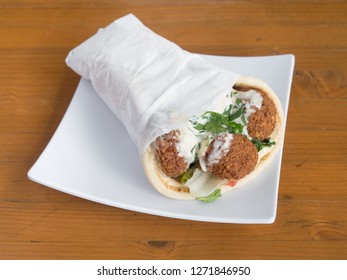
(261, 144)
(218, 123)
(233, 92)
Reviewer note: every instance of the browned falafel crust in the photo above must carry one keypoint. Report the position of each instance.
(167, 155)
(262, 122)
(238, 162)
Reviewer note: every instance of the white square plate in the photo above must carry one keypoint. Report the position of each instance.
(91, 156)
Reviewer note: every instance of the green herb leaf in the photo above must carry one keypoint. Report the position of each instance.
(233, 92)
(199, 126)
(243, 119)
(211, 197)
(235, 128)
(228, 111)
(261, 144)
(218, 123)
(236, 115)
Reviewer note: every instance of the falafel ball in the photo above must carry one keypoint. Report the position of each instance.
(167, 155)
(262, 122)
(231, 156)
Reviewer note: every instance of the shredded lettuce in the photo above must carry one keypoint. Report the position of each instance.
(211, 197)
(203, 183)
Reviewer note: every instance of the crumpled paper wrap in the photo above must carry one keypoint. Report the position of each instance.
(149, 83)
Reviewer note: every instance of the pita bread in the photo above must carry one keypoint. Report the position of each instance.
(173, 189)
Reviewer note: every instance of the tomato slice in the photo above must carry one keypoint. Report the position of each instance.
(231, 183)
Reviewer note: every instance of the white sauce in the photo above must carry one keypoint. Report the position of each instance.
(251, 99)
(245, 132)
(203, 149)
(187, 145)
(189, 137)
(221, 146)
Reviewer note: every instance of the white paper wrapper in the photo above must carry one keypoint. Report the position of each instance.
(150, 83)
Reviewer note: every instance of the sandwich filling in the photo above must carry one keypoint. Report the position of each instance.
(220, 146)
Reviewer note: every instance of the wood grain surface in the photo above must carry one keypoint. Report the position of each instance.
(36, 88)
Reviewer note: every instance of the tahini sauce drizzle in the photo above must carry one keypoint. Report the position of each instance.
(189, 137)
(221, 146)
(187, 144)
(251, 99)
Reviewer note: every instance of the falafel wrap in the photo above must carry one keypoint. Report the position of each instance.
(200, 130)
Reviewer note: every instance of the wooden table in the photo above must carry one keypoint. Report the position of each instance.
(36, 88)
